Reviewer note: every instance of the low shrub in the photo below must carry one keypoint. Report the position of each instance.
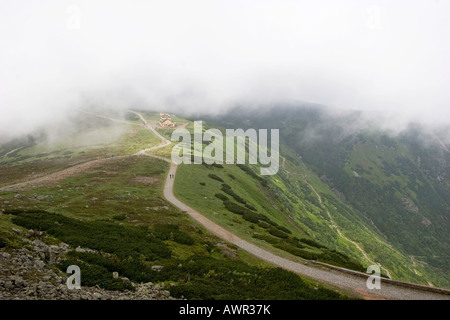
(227, 189)
(312, 243)
(213, 279)
(104, 236)
(120, 217)
(251, 216)
(172, 232)
(215, 177)
(3, 242)
(277, 233)
(289, 248)
(251, 173)
(284, 229)
(264, 224)
(221, 196)
(235, 208)
(96, 275)
(266, 238)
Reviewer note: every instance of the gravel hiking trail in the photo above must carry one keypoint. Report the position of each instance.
(355, 282)
(339, 277)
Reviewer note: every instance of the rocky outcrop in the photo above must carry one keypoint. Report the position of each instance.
(29, 273)
(409, 205)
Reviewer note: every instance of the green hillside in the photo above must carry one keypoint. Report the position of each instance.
(115, 208)
(389, 193)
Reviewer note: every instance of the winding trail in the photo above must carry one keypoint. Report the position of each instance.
(339, 277)
(59, 175)
(335, 226)
(6, 154)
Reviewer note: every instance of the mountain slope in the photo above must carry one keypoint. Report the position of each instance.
(113, 218)
(389, 193)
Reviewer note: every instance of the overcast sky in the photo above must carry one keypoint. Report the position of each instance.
(379, 55)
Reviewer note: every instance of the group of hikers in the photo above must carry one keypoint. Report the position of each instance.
(171, 176)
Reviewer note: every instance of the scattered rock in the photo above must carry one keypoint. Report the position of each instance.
(24, 275)
(79, 249)
(43, 197)
(157, 268)
(226, 251)
(34, 234)
(6, 255)
(409, 205)
(40, 264)
(18, 231)
(426, 222)
(125, 279)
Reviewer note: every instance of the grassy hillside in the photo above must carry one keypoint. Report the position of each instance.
(116, 209)
(387, 193)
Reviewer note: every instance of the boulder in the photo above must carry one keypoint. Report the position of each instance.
(157, 268)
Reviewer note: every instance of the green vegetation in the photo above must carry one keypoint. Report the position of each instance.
(216, 279)
(264, 228)
(215, 177)
(172, 232)
(116, 209)
(92, 137)
(131, 251)
(3, 242)
(98, 235)
(388, 193)
(227, 189)
(94, 274)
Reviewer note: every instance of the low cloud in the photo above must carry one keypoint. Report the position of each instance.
(206, 56)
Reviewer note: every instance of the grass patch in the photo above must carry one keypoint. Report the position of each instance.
(172, 232)
(105, 236)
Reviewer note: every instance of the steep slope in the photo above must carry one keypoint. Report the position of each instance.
(387, 193)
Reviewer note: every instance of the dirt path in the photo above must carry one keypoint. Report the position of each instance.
(355, 283)
(348, 281)
(79, 168)
(333, 223)
(6, 154)
(441, 143)
(336, 227)
(59, 175)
